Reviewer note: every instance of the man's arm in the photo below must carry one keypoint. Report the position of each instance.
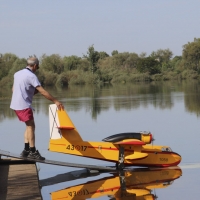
(48, 96)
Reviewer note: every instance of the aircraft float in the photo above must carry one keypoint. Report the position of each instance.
(134, 184)
(124, 149)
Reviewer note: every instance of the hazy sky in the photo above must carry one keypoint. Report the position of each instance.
(69, 27)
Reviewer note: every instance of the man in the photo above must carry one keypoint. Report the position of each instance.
(26, 84)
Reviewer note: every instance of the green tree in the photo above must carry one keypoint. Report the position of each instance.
(125, 59)
(6, 63)
(131, 61)
(53, 63)
(84, 65)
(149, 65)
(71, 62)
(120, 59)
(93, 57)
(143, 55)
(2, 67)
(191, 54)
(103, 54)
(162, 55)
(114, 52)
(175, 62)
(19, 64)
(50, 78)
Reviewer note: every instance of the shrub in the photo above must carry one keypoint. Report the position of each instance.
(6, 82)
(17, 65)
(170, 76)
(189, 74)
(92, 78)
(157, 77)
(50, 78)
(139, 77)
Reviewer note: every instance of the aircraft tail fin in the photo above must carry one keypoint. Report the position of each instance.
(61, 125)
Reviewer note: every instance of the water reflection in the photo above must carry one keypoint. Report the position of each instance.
(137, 184)
(96, 99)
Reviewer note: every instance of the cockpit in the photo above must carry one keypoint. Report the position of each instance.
(166, 149)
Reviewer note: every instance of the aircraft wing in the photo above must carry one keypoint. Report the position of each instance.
(134, 142)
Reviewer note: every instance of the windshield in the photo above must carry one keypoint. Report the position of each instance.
(166, 149)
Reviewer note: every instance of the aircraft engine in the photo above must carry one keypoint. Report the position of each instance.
(144, 137)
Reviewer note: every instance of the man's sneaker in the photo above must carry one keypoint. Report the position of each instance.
(36, 155)
(24, 153)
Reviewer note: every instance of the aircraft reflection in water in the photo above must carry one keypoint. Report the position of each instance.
(135, 184)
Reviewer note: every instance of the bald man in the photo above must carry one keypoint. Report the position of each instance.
(25, 86)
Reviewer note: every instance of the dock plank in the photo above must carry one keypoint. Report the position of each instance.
(19, 181)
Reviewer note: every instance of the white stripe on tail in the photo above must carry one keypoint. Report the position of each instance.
(54, 122)
(62, 126)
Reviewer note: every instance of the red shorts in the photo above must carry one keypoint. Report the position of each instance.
(24, 115)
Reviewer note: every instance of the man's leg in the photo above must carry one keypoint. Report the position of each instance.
(29, 138)
(29, 151)
(26, 146)
(29, 135)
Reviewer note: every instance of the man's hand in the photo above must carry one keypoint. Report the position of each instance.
(59, 105)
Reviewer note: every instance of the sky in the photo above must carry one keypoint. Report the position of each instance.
(69, 27)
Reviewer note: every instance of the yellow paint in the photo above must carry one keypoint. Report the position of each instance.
(143, 155)
(65, 121)
(136, 155)
(146, 138)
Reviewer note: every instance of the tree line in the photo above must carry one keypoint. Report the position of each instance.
(97, 67)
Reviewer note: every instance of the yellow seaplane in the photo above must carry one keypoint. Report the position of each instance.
(124, 149)
(136, 184)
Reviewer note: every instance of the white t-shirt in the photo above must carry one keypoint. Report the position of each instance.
(25, 82)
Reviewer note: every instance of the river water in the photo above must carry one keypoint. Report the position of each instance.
(169, 110)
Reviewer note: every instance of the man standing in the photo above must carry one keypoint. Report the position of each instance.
(26, 84)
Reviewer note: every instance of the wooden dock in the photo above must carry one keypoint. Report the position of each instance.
(19, 180)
